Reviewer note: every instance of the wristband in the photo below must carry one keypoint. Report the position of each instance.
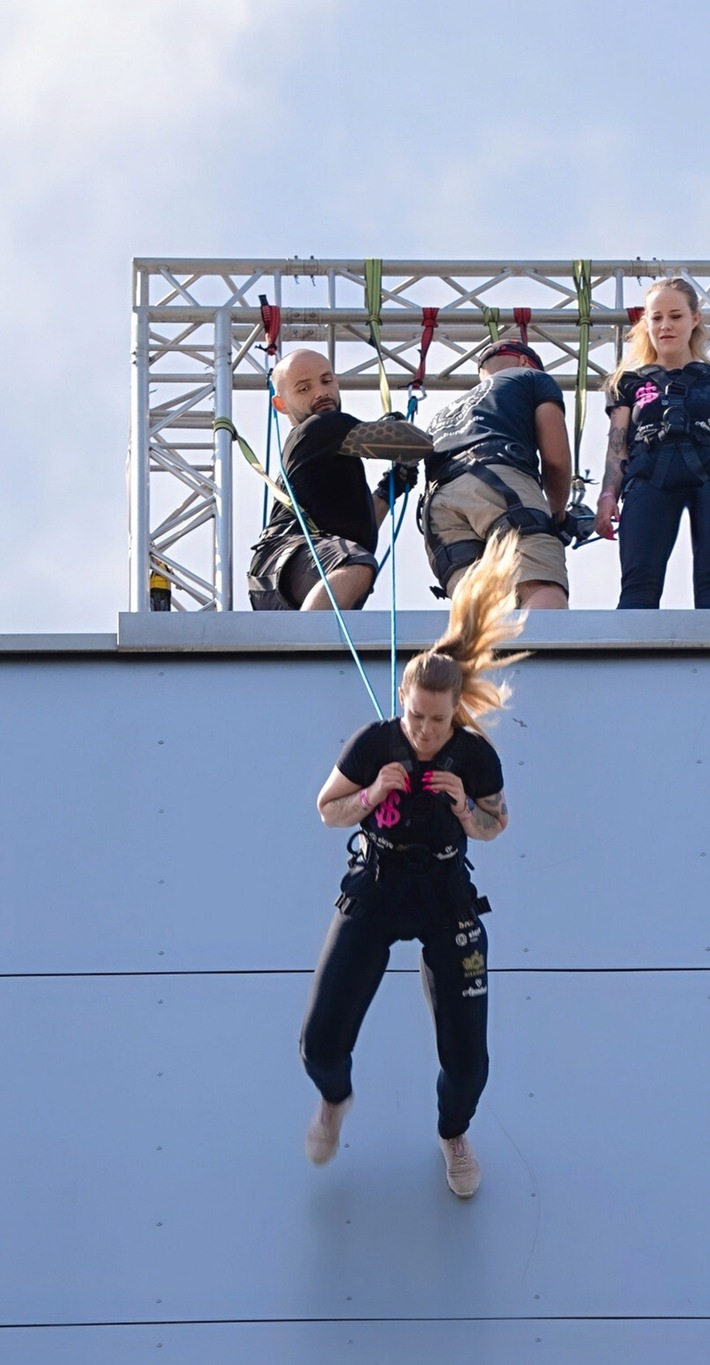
(366, 805)
(608, 494)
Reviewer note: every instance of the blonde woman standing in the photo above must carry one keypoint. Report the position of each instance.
(419, 788)
(658, 458)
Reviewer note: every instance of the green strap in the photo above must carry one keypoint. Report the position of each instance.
(491, 318)
(373, 303)
(224, 424)
(583, 281)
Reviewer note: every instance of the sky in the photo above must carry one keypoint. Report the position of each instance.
(333, 128)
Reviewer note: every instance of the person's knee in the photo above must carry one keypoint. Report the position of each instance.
(358, 577)
(538, 594)
(350, 585)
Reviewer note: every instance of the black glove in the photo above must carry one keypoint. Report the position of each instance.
(405, 477)
(578, 524)
(566, 530)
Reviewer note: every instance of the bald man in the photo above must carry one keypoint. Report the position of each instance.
(323, 458)
(501, 459)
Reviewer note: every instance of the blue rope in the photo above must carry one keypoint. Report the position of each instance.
(386, 554)
(326, 584)
(271, 418)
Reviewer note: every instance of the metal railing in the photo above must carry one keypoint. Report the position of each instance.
(198, 338)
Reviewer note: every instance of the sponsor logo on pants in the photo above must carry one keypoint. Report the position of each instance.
(477, 988)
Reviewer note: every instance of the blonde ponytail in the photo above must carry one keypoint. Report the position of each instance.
(479, 623)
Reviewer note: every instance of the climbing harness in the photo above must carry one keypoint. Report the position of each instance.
(527, 521)
(676, 422)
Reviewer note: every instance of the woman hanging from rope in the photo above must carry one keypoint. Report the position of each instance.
(419, 788)
(658, 460)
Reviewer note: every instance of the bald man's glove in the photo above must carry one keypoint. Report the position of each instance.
(405, 477)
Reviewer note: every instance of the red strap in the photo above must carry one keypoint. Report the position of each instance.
(635, 315)
(522, 317)
(271, 318)
(429, 323)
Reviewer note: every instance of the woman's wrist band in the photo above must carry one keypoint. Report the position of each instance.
(366, 805)
(608, 494)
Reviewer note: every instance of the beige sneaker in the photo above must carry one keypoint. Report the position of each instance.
(323, 1135)
(463, 1172)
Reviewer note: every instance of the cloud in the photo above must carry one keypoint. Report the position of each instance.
(80, 81)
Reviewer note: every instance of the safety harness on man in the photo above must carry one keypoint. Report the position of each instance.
(527, 521)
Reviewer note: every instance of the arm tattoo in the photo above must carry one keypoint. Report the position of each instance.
(617, 440)
(485, 819)
(400, 441)
(615, 455)
(345, 805)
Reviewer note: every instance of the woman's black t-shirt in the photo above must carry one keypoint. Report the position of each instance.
(419, 817)
(642, 391)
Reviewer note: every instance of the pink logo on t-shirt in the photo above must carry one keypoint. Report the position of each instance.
(387, 812)
(646, 395)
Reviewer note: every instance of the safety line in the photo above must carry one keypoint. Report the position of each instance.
(373, 303)
(338, 613)
(225, 424)
(403, 509)
(583, 279)
(267, 460)
(491, 317)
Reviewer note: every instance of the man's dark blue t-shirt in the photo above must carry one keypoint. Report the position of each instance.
(499, 413)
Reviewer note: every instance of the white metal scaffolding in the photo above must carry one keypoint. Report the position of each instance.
(199, 335)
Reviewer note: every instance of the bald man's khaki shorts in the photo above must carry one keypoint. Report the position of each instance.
(466, 508)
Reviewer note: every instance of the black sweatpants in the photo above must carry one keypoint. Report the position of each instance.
(436, 906)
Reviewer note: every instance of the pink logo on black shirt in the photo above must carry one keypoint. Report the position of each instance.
(387, 813)
(645, 395)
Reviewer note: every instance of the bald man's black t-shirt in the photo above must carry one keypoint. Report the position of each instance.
(331, 488)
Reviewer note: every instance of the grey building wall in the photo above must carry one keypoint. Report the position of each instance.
(166, 885)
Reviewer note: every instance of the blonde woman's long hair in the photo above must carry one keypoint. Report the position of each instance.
(479, 622)
(641, 350)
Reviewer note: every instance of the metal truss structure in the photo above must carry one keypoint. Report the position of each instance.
(200, 336)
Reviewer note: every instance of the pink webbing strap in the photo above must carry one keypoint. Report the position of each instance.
(522, 317)
(271, 318)
(429, 324)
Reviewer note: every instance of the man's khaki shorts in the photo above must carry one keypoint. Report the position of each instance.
(466, 508)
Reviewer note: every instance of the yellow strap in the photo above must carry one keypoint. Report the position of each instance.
(373, 303)
(583, 280)
(491, 317)
(224, 424)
